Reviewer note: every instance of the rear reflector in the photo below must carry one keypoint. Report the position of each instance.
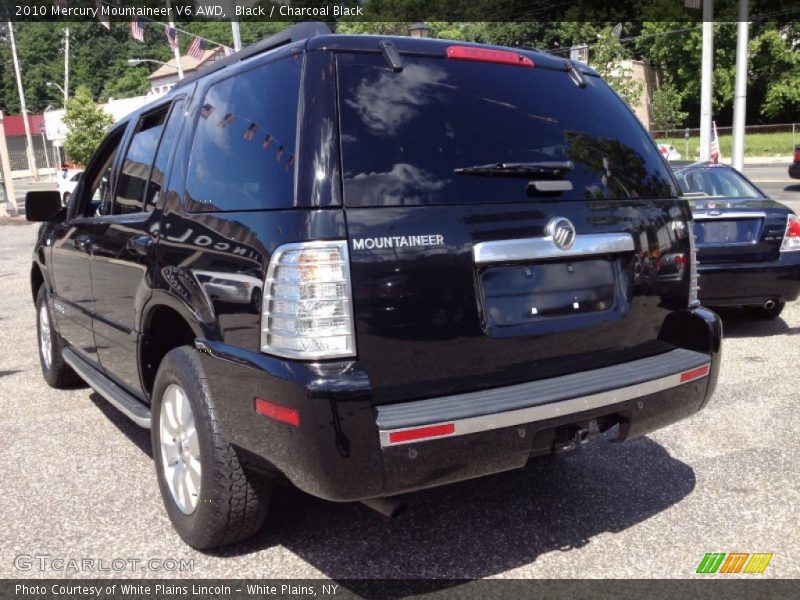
(695, 373)
(422, 433)
(500, 57)
(280, 413)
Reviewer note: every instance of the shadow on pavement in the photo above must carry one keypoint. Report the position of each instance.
(136, 434)
(481, 527)
(795, 187)
(736, 324)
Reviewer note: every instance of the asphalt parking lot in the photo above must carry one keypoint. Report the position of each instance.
(78, 482)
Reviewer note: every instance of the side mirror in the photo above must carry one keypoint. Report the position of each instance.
(43, 206)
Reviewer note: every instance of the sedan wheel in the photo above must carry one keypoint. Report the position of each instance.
(180, 449)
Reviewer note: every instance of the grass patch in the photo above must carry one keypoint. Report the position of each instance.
(755, 144)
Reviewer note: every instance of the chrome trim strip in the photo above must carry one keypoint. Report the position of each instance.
(548, 411)
(537, 248)
(704, 216)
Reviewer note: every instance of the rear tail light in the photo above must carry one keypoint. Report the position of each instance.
(797, 154)
(693, 276)
(500, 57)
(791, 239)
(307, 307)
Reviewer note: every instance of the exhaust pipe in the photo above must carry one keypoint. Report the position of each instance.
(388, 507)
(769, 304)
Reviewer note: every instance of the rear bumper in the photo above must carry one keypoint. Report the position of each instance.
(750, 283)
(344, 448)
(794, 170)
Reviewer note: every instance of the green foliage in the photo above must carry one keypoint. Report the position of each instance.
(98, 57)
(665, 109)
(86, 125)
(609, 58)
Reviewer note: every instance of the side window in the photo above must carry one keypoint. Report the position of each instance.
(162, 156)
(97, 197)
(243, 153)
(136, 167)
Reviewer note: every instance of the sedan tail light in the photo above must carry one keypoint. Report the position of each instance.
(797, 154)
(307, 307)
(791, 239)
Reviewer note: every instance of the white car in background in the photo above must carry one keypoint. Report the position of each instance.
(669, 152)
(67, 183)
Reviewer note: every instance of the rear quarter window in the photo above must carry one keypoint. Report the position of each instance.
(243, 152)
(403, 134)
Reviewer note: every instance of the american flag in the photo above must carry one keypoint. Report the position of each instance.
(279, 154)
(226, 120)
(206, 111)
(290, 163)
(714, 143)
(250, 132)
(267, 142)
(137, 29)
(197, 48)
(104, 20)
(172, 36)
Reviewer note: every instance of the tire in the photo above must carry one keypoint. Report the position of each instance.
(56, 372)
(759, 312)
(209, 497)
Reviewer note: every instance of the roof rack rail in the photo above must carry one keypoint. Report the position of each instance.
(295, 33)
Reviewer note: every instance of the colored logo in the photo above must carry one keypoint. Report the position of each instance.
(734, 562)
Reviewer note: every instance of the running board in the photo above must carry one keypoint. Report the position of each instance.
(127, 404)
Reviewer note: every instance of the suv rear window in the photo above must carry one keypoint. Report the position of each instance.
(403, 134)
(243, 153)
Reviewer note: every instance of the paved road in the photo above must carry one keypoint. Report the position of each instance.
(78, 482)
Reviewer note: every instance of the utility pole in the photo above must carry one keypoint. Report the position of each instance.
(9, 207)
(66, 66)
(176, 51)
(740, 93)
(237, 38)
(29, 148)
(707, 79)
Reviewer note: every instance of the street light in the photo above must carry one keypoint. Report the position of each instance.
(419, 29)
(135, 62)
(54, 84)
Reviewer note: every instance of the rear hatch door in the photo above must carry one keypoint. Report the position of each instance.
(506, 223)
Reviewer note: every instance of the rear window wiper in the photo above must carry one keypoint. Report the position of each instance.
(552, 168)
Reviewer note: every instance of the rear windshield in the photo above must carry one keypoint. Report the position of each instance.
(403, 134)
(717, 182)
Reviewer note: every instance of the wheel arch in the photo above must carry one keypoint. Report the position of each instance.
(163, 327)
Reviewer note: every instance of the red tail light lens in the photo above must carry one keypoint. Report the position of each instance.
(791, 239)
(797, 155)
(500, 57)
(680, 261)
(284, 414)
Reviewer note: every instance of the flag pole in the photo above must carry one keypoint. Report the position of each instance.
(177, 49)
(237, 38)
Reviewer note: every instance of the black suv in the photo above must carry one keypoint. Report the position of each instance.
(372, 265)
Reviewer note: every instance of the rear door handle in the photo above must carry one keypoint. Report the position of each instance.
(83, 242)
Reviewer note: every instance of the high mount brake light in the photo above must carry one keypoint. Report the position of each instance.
(500, 57)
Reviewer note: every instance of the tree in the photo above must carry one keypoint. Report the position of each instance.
(610, 59)
(86, 125)
(665, 108)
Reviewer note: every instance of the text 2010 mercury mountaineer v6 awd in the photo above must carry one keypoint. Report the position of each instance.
(371, 265)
